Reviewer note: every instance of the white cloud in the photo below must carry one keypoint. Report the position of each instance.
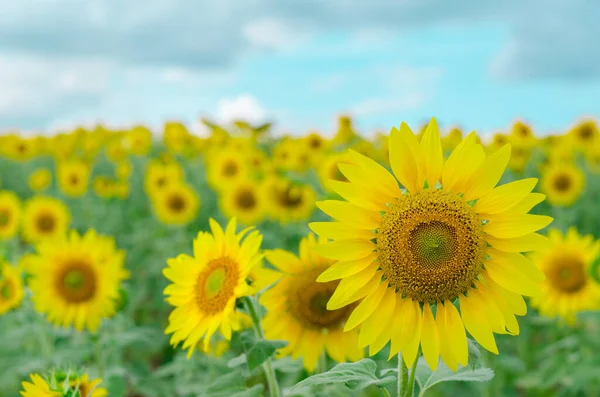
(244, 107)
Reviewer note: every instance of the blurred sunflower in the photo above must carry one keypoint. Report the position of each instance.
(38, 387)
(138, 140)
(205, 287)
(11, 288)
(522, 134)
(451, 141)
(328, 169)
(225, 169)
(593, 159)
(123, 169)
(520, 156)
(585, 134)
(10, 214)
(289, 202)
(158, 176)
(315, 142)
(75, 279)
(45, 218)
(115, 151)
(73, 176)
(176, 204)
(102, 186)
(244, 201)
(297, 312)
(175, 136)
(86, 387)
(19, 149)
(563, 183)
(40, 179)
(261, 277)
(345, 132)
(451, 237)
(568, 288)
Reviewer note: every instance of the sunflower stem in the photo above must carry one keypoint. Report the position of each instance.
(251, 304)
(385, 392)
(411, 380)
(402, 376)
(322, 366)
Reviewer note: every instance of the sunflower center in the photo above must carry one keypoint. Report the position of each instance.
(230, 169)
(77, 282)
(46, 223)
(176, 203)
(162, 181)
(431, 246)
(315, 142)
(567, 274)
(585, 132)
(562, 183)
(74, 179)
(246, 199)
(307, 302)
(216, 285)
(290, 198)
(4, 217)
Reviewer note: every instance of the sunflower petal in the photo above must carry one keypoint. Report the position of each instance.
(488, 174)
(433, 156)
(504, 197)
(430, 340)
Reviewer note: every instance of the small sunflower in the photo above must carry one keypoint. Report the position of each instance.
(205, 287)
(73, 177)
(38, 387)
(45, 218)
(138, 141)
(245, 202)
(297, 312)
(568, 288)
(40, 179)
(176, 204)
(11, 288)
(159, 176)
(87, 387)
(10, 214)
(563, 183)
(451, 237)
(226, 168)
(75, 280)
(289, 202)
(586, 134)
(102, 186)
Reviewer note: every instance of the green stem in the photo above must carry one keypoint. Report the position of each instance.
(385, 392)
(411, 381)
(322, 365)
(402, 375)
(98, 357)
(267, 365)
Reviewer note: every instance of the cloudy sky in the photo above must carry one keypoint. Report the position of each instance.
(479, 64)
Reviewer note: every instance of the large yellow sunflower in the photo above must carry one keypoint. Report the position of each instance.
(563, 183)
(10, 214)
(297, 313)
(11, 288)
(45, 218)
(38, 387)
(449, 237)
(176, 204)
(73, 177)
(244, 201)
(569, 287)
(75, 280)
(205, 287)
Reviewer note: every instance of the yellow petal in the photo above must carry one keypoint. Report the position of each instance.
(488, 174)
(346, 250)
(461, 163)
(405, 158)
(529, 242)
(343, 269)
(517, 283)
(510, 321)
(433, 156)
(379, 175)
(525, 205)
(361, 178)
(516, 264)
(365, 308)
(515, 225)
(359, 195)
(476, 323)
(514, 300)
(445, 350)
(430, 340)
(339, 230)
(284, 261)
(455, 332)
(404, 324)
(371, 327)
(354, 287)
(411, 347)
(504, 197)
(351, 214)
(484, 305)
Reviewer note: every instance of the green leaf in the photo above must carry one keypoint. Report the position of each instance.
(261, 351)
(355, 376)
(474, 353)
(427, 379)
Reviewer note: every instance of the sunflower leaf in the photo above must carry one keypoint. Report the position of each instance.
(260, 352)
(355, 376)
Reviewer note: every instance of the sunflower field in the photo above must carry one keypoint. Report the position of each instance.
(241, 264)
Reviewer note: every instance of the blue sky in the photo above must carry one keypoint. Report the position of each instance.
(476, 64)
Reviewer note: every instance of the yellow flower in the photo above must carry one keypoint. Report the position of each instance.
(38, 387)
(568, 288)
(102, 186)
(19, 149)
(75, 280)
(315, 142)
(522, 134)
(297, 313)
(328, 169)
(176, 137)
(563, 183)
(593, 159)
(289, 202)
(451, 141)
(45, 218)
(205, 287)
(10, 214)
(73, 177)
(40, 179)
(159, 176)
(11, 288)
(345, 132)
(87, 388)
(115, 151)
(176, 204)
(138, 141)
(449, 237)
(123, 169)
(244, 201)
(225, 169)
(585, 135)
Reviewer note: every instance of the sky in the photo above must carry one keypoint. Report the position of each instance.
(476, 64)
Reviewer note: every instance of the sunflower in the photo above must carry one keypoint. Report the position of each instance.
(176, 204)
(102, 186)
(40, 179)
(261, 277)
(449, 238)
(86, 387)
(568, 288)
(563, 183)
(11, 288)
(297, 313)
(138, 140)
(593, 159)
(225, 169)
(159, 176)
(73, 178)
(38, 387)
(522, 134)
(585, 134)
(10, 214)
(123, 169)
(315, 142)
(245, 202)
(45, 218)
(451, 141)
(205, 287)
(20, 149)
(75, 280)
(289, 202)
(328, 169)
